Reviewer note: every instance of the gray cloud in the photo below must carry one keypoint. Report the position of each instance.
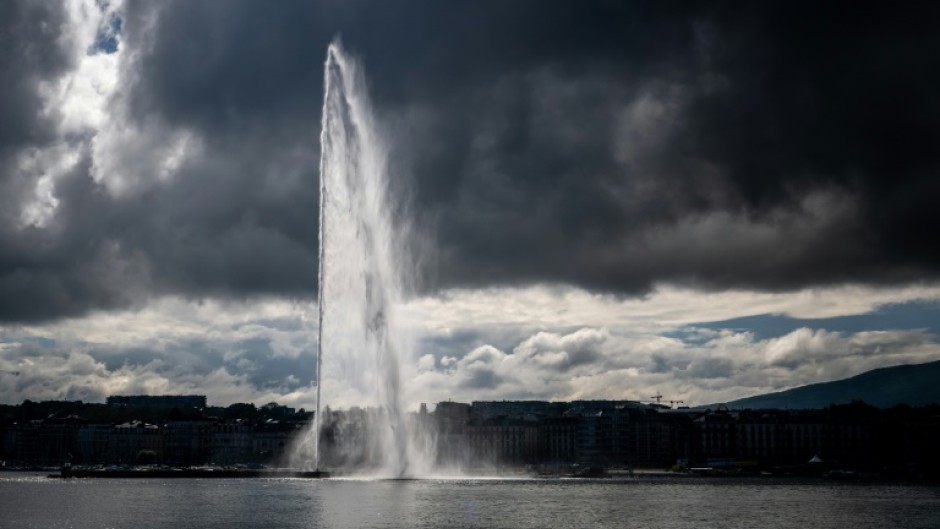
(750, 114)
(229, 68)
(708, 368)
(34, 52)
(216, 350)
(610, 145)
(630, 365)
(147, 203)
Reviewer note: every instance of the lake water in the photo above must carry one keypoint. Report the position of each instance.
(33, 501)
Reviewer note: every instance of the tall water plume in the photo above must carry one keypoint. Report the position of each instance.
(362, 346)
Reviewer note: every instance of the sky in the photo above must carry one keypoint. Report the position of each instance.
(700, 200)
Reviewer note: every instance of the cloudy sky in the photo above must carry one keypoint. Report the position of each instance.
(704, 200)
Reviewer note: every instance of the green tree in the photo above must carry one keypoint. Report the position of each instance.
(146, 457)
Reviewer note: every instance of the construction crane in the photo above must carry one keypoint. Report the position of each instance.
(14, 373)
(658, 398)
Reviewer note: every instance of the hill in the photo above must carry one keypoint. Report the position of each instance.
(915, 385)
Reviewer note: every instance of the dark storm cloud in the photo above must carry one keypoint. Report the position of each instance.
(41, 273)
(32, 53)
(230, 67)
(750, 145)
(609, 145)
(69, 268)
(236, 217)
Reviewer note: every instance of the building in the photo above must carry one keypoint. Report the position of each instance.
(93, 441)
(162, 402)
(187, 439)
(505, 440)
(231, 443)
(136, 442)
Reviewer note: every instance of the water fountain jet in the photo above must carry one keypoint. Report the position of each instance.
(361, 280)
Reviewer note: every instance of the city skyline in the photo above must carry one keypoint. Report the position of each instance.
(706, 201)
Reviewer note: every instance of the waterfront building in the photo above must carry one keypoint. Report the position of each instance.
(231, 442)
(93, 441)
(187, 438)
(137, 442)
(161, 402)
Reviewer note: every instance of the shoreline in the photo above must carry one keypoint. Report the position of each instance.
(190, 473)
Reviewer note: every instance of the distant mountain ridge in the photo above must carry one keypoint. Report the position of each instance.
(911, 384)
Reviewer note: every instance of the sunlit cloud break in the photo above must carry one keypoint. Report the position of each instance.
(538, 343)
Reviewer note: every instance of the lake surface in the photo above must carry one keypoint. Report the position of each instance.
(30, 501)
